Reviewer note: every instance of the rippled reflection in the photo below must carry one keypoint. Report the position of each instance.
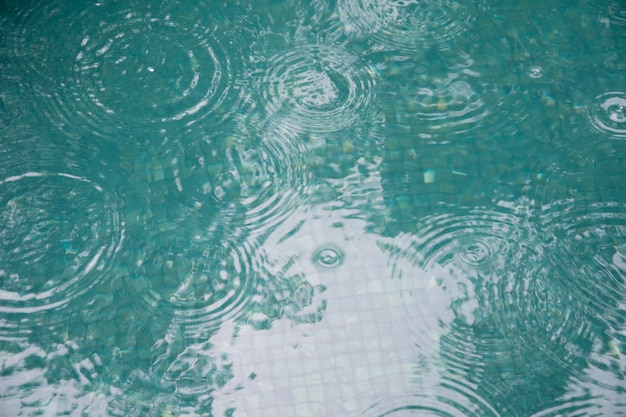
(27, 389)
(520, 326)
(59, 234)
(195, 288)
(482, 243)
(498, 304)
(582, 404)
(62, 235)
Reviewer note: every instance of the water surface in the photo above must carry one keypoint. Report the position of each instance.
(334, 208)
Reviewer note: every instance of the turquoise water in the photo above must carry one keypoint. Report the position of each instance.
(312, 208)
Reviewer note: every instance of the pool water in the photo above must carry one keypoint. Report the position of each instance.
(312, 208)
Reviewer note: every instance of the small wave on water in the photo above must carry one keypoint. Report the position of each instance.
(453, 257)
(595, 232)
(124, 69)
(27, 389)
(212, 288)
(481, 243)
(607, 114)
(498, 303)
(588, 259)
(610, 13)
(61, 239)
(584, 403)
(60, 233)
(255, 178)
(407, 25)
(451, 98)
(272, 173)
(452, 105)
(217, 287)
(313, 88)
(443, 399)
(223, 194)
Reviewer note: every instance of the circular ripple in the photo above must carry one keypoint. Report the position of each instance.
(595, 233)
(315, 88)
(588, 261)
(457, 263)
(531, 328)
(482, 244)
(535, 71)
(328, 257)
(446, 399)
(182, 69)
(125, 69)
(218, 286)
(258, 177)
(607, 114)
(455, 101)
(274, 179)
(407, 24)
(453, 106)
(493, 303)
(59, 234)
(584, 405)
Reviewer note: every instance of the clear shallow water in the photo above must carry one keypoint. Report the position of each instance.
(312, 208)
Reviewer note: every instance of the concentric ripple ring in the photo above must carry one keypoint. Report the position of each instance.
(407, 25)
(315, 88)
(126, 69)
(60, 233)
(217, 287)
(184, 70)
(270, 170)
(607, 114)
(444, 399)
